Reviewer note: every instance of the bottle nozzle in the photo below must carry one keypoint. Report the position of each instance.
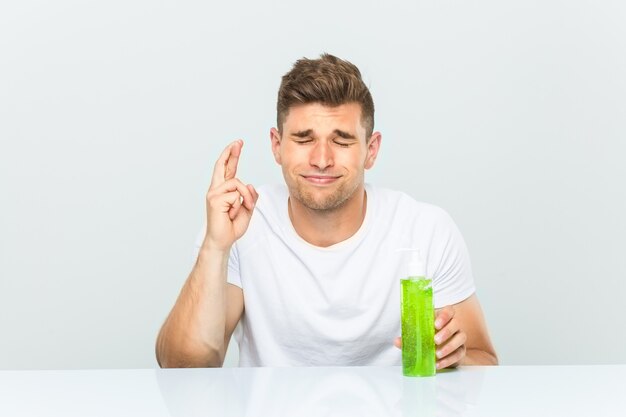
(414, 266)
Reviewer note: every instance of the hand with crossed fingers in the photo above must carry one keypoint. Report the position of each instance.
(229, 202)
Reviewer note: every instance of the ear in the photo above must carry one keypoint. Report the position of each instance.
(373, 145)
(275, 138)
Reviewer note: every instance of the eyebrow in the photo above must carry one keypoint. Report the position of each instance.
(344, 135)
(340, 133)
(302, 133)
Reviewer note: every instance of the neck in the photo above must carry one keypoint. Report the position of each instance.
(327, 227)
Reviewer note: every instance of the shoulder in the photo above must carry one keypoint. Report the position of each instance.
(399, 204)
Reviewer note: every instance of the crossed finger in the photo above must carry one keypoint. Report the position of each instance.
(226, 165)
(233, 185)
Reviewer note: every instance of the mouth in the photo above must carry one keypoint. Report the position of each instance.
(321, 179)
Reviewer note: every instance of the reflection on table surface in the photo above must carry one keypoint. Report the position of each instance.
(341, 391)
(355, 391)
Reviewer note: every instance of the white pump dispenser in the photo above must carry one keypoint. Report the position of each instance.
(414, 266)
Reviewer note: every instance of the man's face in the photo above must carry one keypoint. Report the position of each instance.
(324, 152)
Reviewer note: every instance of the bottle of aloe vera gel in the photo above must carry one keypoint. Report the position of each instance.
(417, 315)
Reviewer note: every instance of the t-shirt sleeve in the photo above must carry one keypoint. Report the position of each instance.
(450, 264)
(233, 260)
(234, 277)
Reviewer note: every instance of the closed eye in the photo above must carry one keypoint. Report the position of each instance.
(345, 142)
(303, 141)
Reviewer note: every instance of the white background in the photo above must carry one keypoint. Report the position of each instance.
(509, 115)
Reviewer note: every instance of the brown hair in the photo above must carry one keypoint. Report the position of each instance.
(328, 80)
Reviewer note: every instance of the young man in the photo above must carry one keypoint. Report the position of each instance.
(311, 271)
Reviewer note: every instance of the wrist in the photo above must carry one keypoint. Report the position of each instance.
(213, 255)
(210, 247)
(212, 252)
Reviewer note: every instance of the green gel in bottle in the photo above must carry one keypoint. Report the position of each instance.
(417, 315)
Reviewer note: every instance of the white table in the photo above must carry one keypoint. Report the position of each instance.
(529, 391)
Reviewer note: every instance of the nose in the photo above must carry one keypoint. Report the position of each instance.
(322, 155)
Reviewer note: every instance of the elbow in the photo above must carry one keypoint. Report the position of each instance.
(169, 356)
(189, 360)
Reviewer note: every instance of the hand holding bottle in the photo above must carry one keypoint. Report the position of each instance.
(449, 339)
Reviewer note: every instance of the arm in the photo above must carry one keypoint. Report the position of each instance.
(197, 331)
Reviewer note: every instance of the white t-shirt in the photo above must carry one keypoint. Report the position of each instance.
(336, 306)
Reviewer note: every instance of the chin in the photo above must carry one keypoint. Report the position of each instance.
(328, 199)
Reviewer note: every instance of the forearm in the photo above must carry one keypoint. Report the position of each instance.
(479, 357)
(193, 333)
